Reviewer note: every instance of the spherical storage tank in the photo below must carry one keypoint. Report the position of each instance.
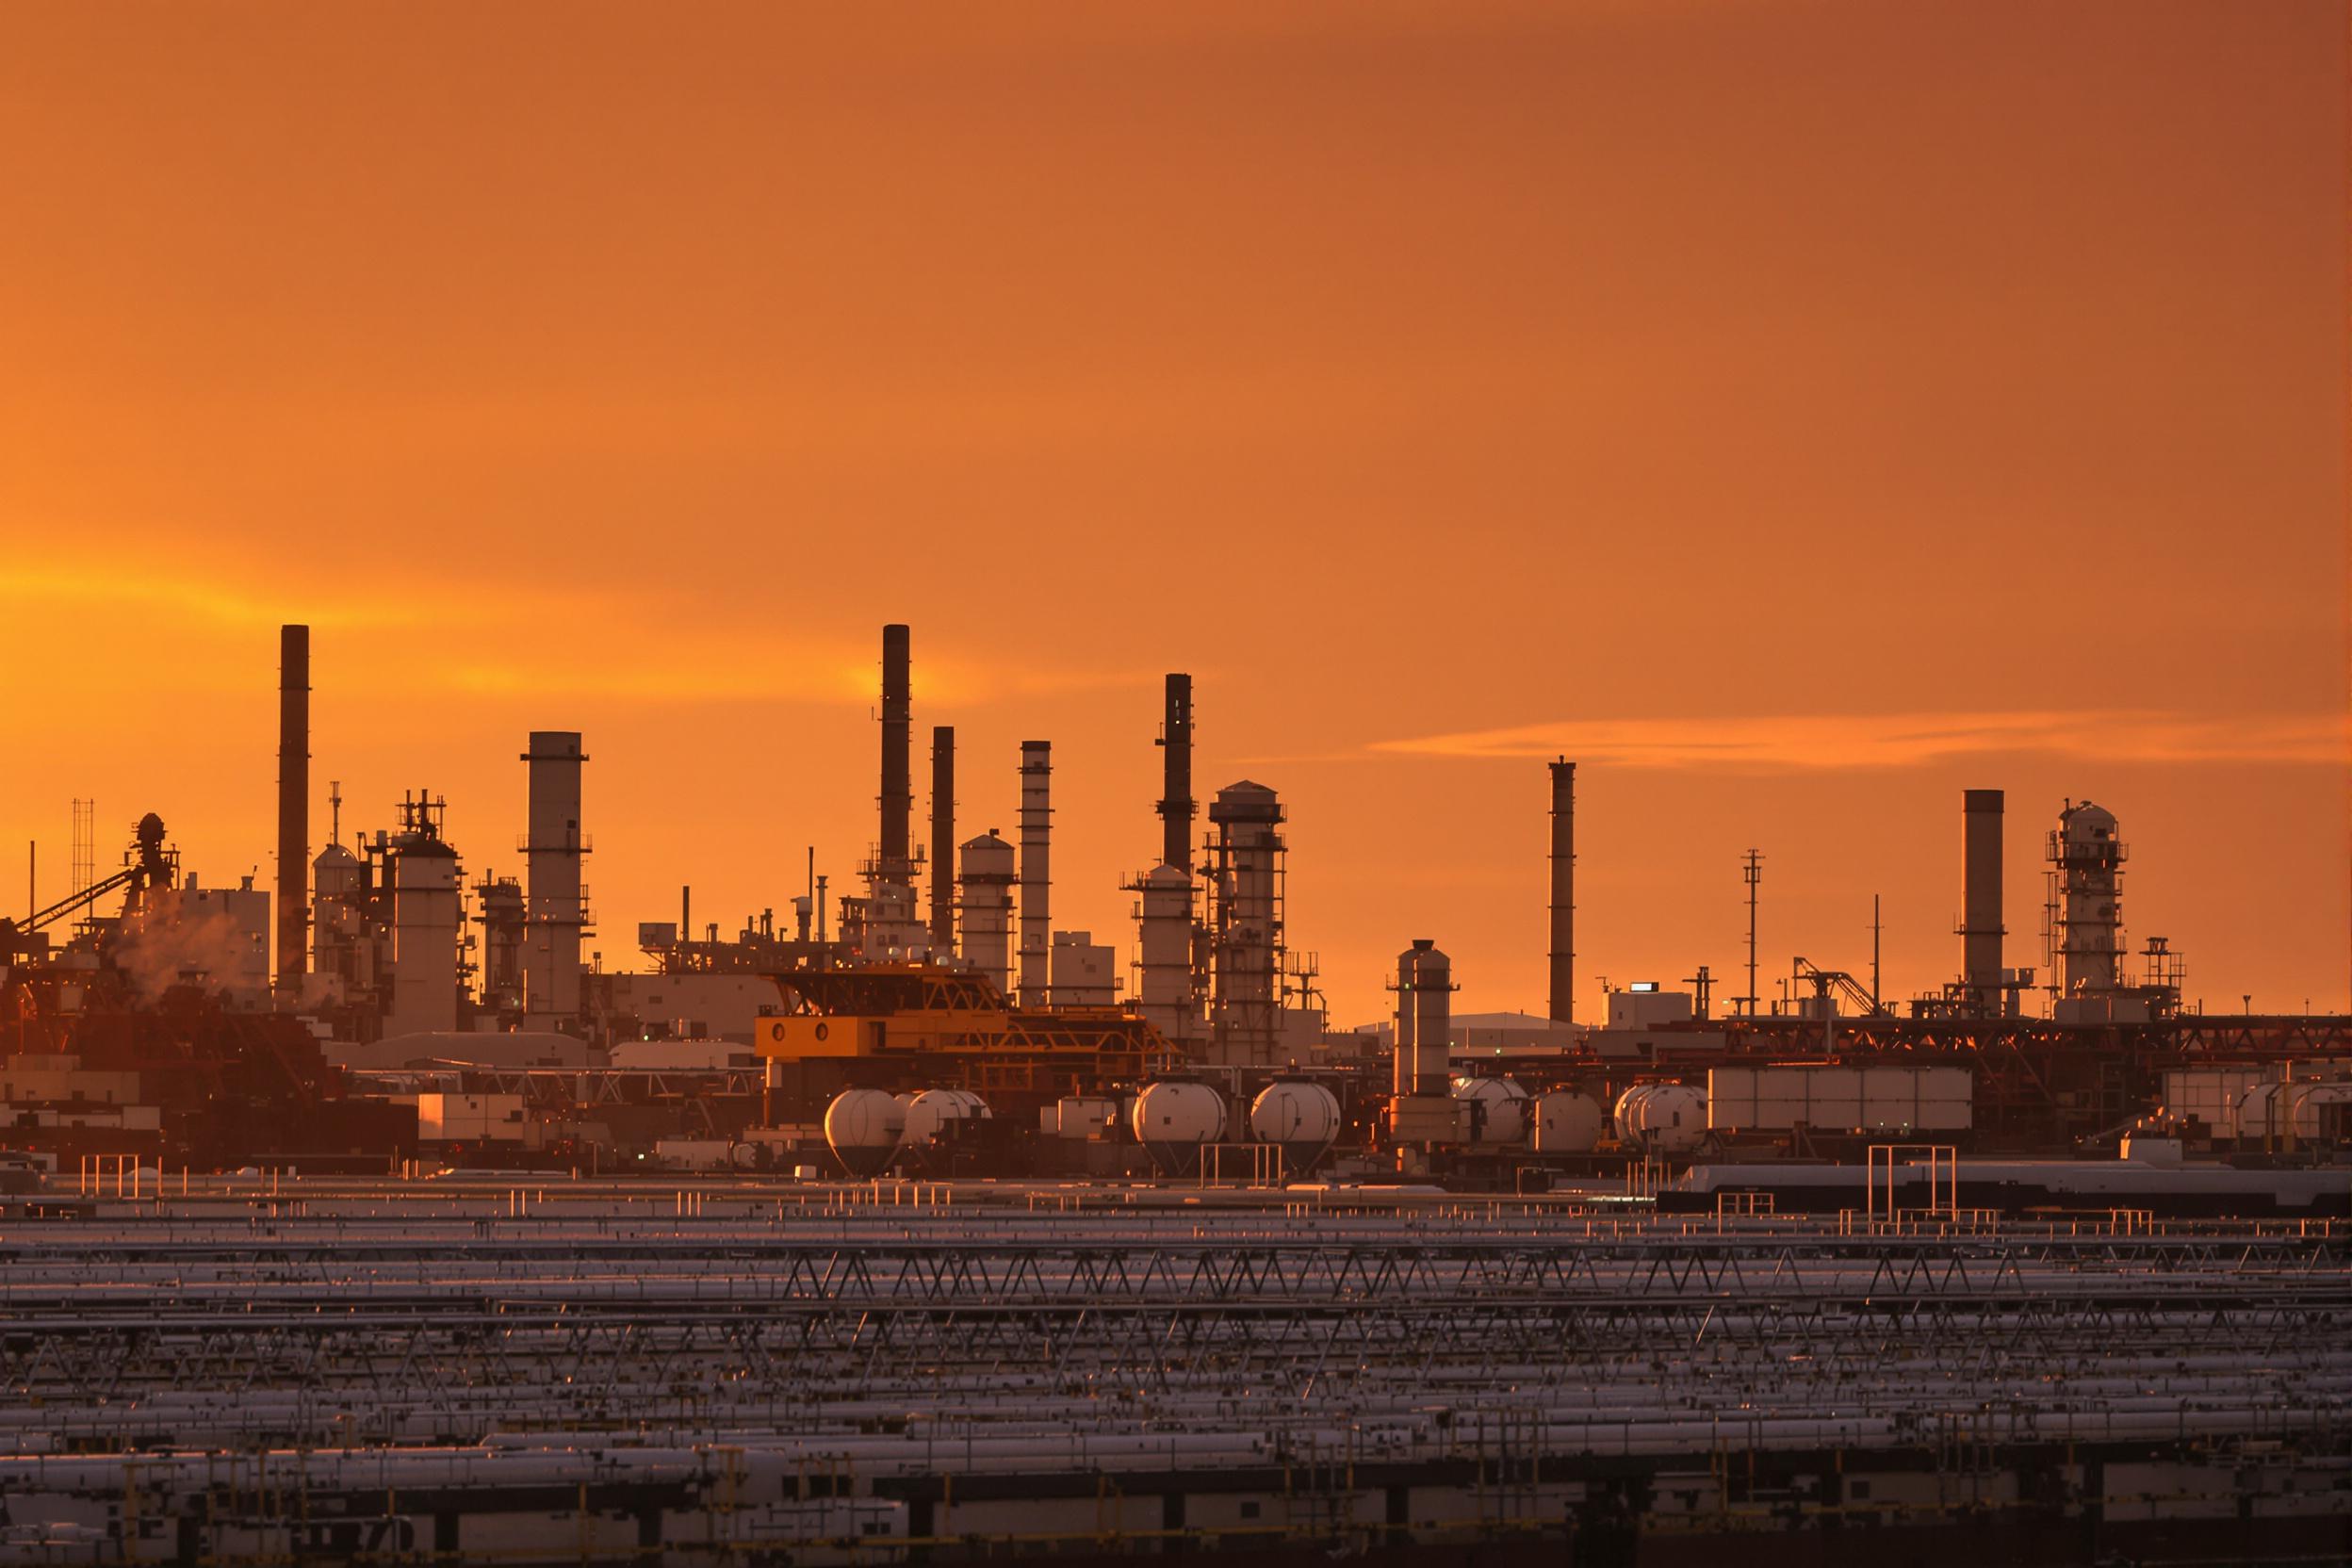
(1498, 1109)
(1662, 1119)
(1299, 1118)
(1173, 1118)
(863, 1127)
(935, 1116)
(1568, 1123)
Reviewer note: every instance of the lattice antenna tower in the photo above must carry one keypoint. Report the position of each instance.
(85, 844)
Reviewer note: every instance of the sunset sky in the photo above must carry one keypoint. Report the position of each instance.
(1796, 414)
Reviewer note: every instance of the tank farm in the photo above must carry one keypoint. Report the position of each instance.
(365, 1220)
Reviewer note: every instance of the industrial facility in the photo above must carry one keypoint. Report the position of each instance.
(385, 980)
(917, 1226)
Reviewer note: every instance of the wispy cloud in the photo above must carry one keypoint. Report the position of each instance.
(115, 588)
(414, 635)
(1903, 740)
(716, 668)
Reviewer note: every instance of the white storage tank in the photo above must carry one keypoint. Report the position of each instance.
(1299, 1118)
(1568, 1122)
(1498, 1109)
(863, 1127)
(1174, 1117)
(2305, 1111)
(935, 1114)
(2323, 1112)
(1662, 1119)
(2257, 1115)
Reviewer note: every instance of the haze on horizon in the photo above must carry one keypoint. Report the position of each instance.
(1796, 416)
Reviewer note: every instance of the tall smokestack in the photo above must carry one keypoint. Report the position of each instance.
(293, 807)
(898, 788)
(1176, 802)
(556, 911)
(943, 839)
(1564, 954)
(1981, 930)
(1037, 916)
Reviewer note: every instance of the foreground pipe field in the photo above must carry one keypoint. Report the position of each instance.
(381, 1371)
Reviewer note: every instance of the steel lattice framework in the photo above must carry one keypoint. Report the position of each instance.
(406, 1321)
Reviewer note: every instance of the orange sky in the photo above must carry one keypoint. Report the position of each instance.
(1800, 413)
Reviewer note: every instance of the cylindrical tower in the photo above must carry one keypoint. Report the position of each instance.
(339, 880)
(1402, 1065)
(503, 912)
(2087, 862)
(1164, 989)
(987, 907)
(1563, 945)
(898, 789)
(1176, 803)
(1981, 928)
(293, 807)
(1037, 915)
(942, 840)
(1245, 1022)
(1425, 987)
(556, 908)
(425, 926)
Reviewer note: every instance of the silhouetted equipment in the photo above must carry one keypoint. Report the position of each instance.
(151, 868)
(1829, 982)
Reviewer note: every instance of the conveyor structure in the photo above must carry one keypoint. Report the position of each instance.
(899, 1371)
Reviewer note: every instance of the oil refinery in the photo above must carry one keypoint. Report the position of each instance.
(364, 1219)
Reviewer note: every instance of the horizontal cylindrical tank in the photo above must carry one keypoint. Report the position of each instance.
(864, 1128)
(939, 1114)
(1174, 1117)
(2300, 1110)
(1299, 1118)
(1568, 1122)
(1662, 1119)
(1498, 1109)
